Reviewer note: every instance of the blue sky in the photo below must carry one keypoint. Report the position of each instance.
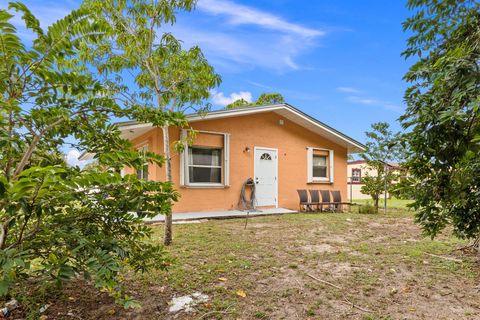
(338, 61)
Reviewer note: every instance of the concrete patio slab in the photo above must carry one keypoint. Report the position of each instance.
(219, 214)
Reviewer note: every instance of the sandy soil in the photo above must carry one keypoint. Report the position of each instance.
(366, 267)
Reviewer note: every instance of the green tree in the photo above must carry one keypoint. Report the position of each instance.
(95, 166)
(237, 104)
(381, 148)
(264, 98)
(442, 116)
(58, 222)
(167, 77)
(270, 98)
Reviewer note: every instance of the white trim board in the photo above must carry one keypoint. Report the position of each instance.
(285, 110)
(184, 172)
(331, 166)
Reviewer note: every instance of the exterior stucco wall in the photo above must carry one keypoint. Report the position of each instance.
(355, 193)
(258, 130)
(354, 189)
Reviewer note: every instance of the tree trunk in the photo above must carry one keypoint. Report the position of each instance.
(167, 239)
(375, 203)
(477, 244)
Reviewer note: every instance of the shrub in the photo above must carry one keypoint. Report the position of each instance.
(59, 222)
(367, 208)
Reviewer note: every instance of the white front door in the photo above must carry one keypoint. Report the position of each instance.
(266, 179)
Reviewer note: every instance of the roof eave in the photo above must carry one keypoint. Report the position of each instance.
(352, 145)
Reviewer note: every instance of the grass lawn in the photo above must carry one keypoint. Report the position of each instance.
(392, 203)
(366, 266)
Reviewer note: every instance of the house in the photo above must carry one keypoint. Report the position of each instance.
(280, 147)
(358, 169)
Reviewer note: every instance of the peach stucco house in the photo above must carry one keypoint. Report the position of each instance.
(278, 146)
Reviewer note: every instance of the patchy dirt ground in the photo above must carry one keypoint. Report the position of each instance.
(298, 266)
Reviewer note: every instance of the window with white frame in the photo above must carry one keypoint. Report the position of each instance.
(205, 166)
(356, 175)
(319, 165)
(142, 173)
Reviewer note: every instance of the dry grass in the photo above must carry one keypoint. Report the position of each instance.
(381, 264)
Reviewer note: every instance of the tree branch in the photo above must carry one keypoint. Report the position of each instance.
(31, 148)
(4, 232)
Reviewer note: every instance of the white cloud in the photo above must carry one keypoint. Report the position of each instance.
(348, 90)
(236, 37)
(376, 102)
(356, 96)
(260, 85)
(268, 41)
(219, 98)
(237, 51)
(240, 14)
(72, 158)
(46, 13)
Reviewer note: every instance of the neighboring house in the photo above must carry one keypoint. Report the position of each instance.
(280, 147)
(358, 169)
